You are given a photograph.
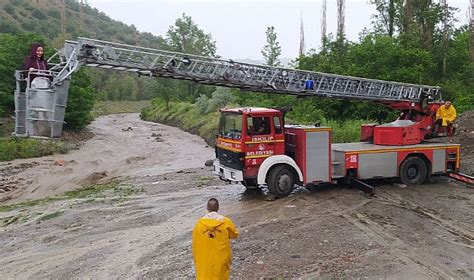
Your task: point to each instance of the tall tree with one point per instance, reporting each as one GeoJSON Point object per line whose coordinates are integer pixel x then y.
{"type": "Point", "coordinates": [302, 45]}
{"type": "Point", "coordinates": [341, 7]}
{"type": "Point", "coordinates": [272, 50]}
{"type": "Point", "coordinates": [385, 19]}
{"type": "Point", "coordinates": [185, 36]}
{"type": "Point", "coordinates": [471, 31]}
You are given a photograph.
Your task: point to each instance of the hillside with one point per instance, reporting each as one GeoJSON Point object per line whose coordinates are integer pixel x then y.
{"type": "Point", "coordinates": [43, 17]}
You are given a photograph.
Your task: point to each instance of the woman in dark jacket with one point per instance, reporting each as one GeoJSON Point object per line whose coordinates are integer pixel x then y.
{"type": "Point", "coordinates": [36, 58]}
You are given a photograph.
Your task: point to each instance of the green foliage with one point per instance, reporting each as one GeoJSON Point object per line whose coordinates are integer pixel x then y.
{"type": "Point", "coordinates": [305, 111]}
{"type": "Point", "coordinates": [9, 8]}
{"type": "Point", "coordinates": [272, 50]}
{"type": "Point", "coordinates": [80, 102]}
{"type": "Point", "coordinates": [38, 14]}
{"type": "Point", "coordinates": [44, 19]}
{"type": "Point", "coordinates": [347, 131]}
{"type": "Point", "coordinates": [13, 49]}
{"type": "Point", "coordinates": [102, 108]}
{"type": "Point", "coordinates": [185, 36]}
{"type": "Point", "coordinates": [221, 97]}
{"type": "Point", "coordinates": [184, 115]}
{"type": "Point", "coordinates": [13, 148]}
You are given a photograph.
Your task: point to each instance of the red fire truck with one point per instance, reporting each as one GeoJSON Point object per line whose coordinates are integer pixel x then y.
{"type": "Point", "coordinates": [282, 156]}
{"type": "Point", "coordinates": [254, 146]}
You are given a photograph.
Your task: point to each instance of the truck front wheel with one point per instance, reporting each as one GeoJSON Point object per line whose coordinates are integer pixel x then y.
{"type": "Point", "coordinates": [413, 171]}
{"type": "Point", "coordinates": [281, 181]}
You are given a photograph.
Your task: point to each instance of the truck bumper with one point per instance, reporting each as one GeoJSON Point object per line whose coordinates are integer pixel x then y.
{"type": "Point", "coordinates": [227, 173]}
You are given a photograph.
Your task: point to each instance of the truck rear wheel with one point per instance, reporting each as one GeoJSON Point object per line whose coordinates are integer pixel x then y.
{"type": "Point", "coordinates": [281, 181]}
{"type": "Point", "coordinates": [413, 171]}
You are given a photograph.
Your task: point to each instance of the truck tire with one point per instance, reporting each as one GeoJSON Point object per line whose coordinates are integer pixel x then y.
{"type": "Point", "coordinates": [413, 171]}
{"type": "Point", "coordinates": [281, 181]}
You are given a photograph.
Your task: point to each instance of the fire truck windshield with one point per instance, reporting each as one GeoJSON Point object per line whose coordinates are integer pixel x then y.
{"type": "Point", "coordinates": [230, 125]}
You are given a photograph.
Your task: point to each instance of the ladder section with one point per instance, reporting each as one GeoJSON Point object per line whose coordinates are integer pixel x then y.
{"type": "Point", "coordinates": [228, 73]}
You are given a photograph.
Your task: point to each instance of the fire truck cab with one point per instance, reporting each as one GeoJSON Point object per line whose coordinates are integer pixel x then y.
{"type": "Point", "coordinates": [254, 147]}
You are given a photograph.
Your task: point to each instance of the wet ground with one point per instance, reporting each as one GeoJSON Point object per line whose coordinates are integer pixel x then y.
{"type": "Point", "coordinates": [139, 224]}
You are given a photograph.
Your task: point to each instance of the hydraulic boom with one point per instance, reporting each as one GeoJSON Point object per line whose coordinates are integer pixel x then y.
{"type": "Point", "coordinates": [418, 102]}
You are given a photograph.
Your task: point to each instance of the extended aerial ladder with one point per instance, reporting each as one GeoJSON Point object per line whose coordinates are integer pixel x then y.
{"type": "Point", "coordinates": [37, 115]}
{"type": "Point", "coordinates": [40, 104]}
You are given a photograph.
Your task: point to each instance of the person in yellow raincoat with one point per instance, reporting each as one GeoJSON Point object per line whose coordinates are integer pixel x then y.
{"type": "Point", "coordinates": [211, 244]}
{"type": "Point", "coordinates": [445, 116]}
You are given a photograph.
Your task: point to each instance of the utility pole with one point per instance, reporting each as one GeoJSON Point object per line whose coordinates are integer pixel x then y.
{"type": "Point", "coordinates": [302, 45]}
{"type": "Point", "coordinates": [81, 17]}
{"type": "Point", "coordinates": [323, 21]}
{"type": "Point", "coordinates": [340, 18]}
{"type": "Point", "coordinates": [444, 5]}
{"type": "Point", "coordinates": [471, 31]}
{"type": "Point", "coordinates": [63, 21]}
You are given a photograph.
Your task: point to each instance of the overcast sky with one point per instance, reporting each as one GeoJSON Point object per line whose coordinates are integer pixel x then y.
{"type": "Point", "coordinates": [239, 26]}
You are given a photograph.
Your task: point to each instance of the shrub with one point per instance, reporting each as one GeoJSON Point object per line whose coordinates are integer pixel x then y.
{"type": "Point", "coordinates": [221, 97]}
{"type": "Point", "coordinates": [9, 9]}
{"type": "Point", "coordinates": [80, 102]}
{"type": "Point", "coordinates": [12, 148]}
{"type": "Point", "coordinates": [38, 14]}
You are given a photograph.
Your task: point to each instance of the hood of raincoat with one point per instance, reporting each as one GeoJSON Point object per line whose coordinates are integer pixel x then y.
{"type": "Point", "coordinates": [212, 220]}
{"type": "Point", "coordinates": [33, 49]}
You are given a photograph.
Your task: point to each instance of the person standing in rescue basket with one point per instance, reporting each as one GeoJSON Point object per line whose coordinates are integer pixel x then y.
{"type": "Point", "coordinates": [211, 244]}
{"type": "Point", "coordinates": [36, 58]}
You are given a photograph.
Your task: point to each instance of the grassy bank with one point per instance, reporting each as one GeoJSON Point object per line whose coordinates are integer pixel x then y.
{"type": "Point", "coordinates": [188, 117]}
{"type": "Point", "coordinates": [13, 148]}
{"type": "Point", "coordinates": [102, 108]}
{"type": "Point", "coordinates": [184, 115]}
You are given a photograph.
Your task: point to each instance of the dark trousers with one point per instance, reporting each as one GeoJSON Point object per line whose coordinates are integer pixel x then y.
{"type": "Point", "coordinates": [446, 129]}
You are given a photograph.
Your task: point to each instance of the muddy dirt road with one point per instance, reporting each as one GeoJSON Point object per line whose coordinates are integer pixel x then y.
{"type": "Point", "coordinates": [139, 224]}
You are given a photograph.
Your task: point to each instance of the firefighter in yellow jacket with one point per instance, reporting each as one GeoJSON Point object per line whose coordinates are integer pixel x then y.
{"type": "Point", "coordinates": [445, 116]}
{"type": "Point", "coordinates": [211, 244]}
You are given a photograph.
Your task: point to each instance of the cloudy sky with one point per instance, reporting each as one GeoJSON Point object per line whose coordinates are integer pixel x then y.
{"type": "Point", "coordinates": [239, 26]}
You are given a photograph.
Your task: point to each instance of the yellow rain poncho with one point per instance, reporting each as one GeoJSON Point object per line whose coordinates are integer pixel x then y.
{"type": "Point", "coordinates": [448, 114]}
{"type": "Point", "coordinates": [211, 246]}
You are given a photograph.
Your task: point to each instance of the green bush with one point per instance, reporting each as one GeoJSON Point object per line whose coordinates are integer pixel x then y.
{"type": "Point", "coordinates": [80, 102]}
{"type": "Point", "coordinates": [38, 14]}
{"type": "Point", "coordinates": [9, 8]}
{"type": "Point", "coordinates": [54, 14]}
{"type": "Point", "coordinates": [8, 27]}
{"type": "Point", "coordinates": [347, 131]}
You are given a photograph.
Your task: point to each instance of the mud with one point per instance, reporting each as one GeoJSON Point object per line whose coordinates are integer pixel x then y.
{"type": "Point", "coordinates": [141, 227]}
{"type": "Point", "coordinates": [123, 146]}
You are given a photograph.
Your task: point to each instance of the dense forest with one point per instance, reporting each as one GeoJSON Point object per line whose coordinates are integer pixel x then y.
{"type": "Point", "coordinates": [409, 41]}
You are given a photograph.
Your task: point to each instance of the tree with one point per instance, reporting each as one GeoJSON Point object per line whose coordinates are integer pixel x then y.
{"type": "Point", "coordinates": [272, 50]}
{"type": "Point", "coordinates": [81, 100]}
{"type": "Point", "coordinates": [168, 89]}
{"type": "Point", "coordinates": [13, 50]}
{"type": "Point", "coordinates": [386, 17]}
{"type": "Point", "coordinates": [186, 37]}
